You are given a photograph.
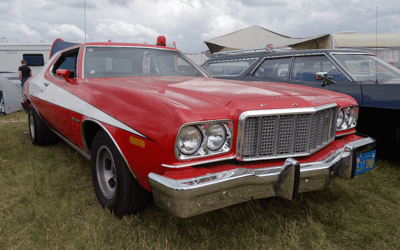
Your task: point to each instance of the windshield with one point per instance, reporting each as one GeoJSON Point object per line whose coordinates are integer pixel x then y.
{"type": "Point", "coordinates": [368, 67]}
{"type": "Point", "coordinates": [101, 62]}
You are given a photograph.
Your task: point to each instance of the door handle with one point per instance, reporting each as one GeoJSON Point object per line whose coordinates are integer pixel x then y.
{"type": "Point", "coordinates": [46, 84]}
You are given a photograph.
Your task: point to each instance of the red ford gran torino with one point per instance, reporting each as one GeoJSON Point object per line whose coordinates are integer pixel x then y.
{"type": "Point", "coordinates": [154, 123]}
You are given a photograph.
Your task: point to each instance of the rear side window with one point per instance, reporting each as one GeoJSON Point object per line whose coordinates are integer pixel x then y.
{"type": "Point", "coordinates": [33, 59]}
{"type": "Point", "coordinates": [229, 68]}
{"type": "Point", "coordinates": [274, 70]}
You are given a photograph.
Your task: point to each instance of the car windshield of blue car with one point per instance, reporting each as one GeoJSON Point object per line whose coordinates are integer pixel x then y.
{"type": "Point", "coordinates": [104, 62]}
{"type": "Point", "coordinates": [368, 68]}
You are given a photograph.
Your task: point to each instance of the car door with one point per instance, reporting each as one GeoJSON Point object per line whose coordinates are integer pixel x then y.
{"type": "Point", "coordinates": [304, 69]}
{"type": "Point", "coordinates": [381, 95]}
{"type": "Point", "coordinates": [59, 92]}
{"type": "Point", "coordinates": [271, 70]}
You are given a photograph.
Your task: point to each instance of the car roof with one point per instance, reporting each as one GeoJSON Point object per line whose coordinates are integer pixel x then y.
{"type": "Point", "coordinates": [258, 54]}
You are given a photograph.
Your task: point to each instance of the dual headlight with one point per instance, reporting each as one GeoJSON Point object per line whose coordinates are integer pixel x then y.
{"type": "Point", "coordinates": [202, 139]}
{"type": "Point", "coordinates": [347, 118]}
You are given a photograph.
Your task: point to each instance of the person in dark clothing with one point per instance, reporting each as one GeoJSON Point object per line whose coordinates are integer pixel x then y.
{"type": "Point", "coordinates": [24, 73]}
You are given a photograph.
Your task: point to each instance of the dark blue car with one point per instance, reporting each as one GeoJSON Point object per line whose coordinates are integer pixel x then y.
{"type": "Point", "coordinates": [373, 83]}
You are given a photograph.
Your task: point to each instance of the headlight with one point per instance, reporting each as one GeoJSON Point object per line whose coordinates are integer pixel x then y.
{"type": "Point", "coordinates": [347, 118]}
{"type": "Point", "coordinates": [216, 136]}
{"type": "Point", "coordinates": [202, 139]}
{"type": "Point", "coordinates": [340, 119]}
{"type": "Point", "coordinates": [189, 140]}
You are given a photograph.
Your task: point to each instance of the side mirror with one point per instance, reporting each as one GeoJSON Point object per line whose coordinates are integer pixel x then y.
{"type": "Point", "coordinates": [321, 75]}
{"type": "Point", "coordinates": [63, 73]}
{"type": "Point", "coordinates": [324, 76]}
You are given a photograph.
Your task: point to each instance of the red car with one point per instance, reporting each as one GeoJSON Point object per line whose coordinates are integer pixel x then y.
{"type": "Point", "coordinates": [154, 123]}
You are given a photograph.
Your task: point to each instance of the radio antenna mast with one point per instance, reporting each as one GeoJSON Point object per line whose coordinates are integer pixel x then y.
{"type": "Point", "coordinates": [84, 17]}
{"type": "Point", "coordinates": [376, 47]}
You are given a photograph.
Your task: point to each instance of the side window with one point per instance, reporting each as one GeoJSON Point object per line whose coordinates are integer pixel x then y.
{"type": "Point", "coordinates": [33, 59]}
{"type": "Point", "coordinates": [68, 60]}
{"type": "Point", "coordinates": [274, 70]}
{"type": "Point", "coordinates": [305, 68]}
{"type": "Point", "coordinates": [228, 68]}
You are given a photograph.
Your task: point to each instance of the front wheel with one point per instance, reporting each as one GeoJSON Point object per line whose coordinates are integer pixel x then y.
{"type": "Point", "coordinates": [115, 186]}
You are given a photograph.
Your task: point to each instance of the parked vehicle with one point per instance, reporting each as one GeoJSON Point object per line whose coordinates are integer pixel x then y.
{"type": "Point", "coordinates": [373, 83]}
{"type": "Point", "coordinates": [35, 54]}
{"type": "Point", "coordinates": [150, 126]}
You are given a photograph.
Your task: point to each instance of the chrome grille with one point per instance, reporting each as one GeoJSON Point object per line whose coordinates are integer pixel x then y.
{"type": "Point", "coordinates": [288, 134]}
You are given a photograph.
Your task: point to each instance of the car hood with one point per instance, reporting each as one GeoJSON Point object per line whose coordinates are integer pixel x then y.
{"type": "Point", "coordinates": [205, 93]}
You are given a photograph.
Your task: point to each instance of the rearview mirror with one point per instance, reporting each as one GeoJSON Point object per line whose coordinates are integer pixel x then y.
{"type": "Point", "coordinates": [63, 73]}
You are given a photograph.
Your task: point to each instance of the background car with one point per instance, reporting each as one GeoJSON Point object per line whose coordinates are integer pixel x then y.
{"type": "Point", "coordinates": [373, 83]}
{"type": "Point", "coordinates": [153, 123]}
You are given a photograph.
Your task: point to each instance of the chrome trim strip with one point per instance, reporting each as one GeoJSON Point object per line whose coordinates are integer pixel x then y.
{"type": "Point", "coordinates": [109, 134]}
{"type": "Point", "coordinates": [345, 133]}
{"type": "Point", "coordinates": [198, 163]}
{"type": "Point", "coordinates": [71, 144]}
{"type": "Point", "coordinates": [83, 61]}
{"type": "Point", "coordinates": [291, 111]}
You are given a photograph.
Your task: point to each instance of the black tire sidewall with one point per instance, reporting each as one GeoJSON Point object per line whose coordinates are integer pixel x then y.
{"type": "Point", "coordinates": [32, 112]}
{"type": "Point", "coordinates": [113, 204]}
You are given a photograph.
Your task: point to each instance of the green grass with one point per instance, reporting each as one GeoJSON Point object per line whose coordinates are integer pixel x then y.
{"type": "Point", "coordinates": [47, 201]}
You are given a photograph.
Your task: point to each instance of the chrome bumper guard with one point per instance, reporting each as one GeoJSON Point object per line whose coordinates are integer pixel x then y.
{"type": "Point", "coordinates": [193, 196]}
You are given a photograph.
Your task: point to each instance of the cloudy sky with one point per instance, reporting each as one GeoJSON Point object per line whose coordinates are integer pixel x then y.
{"type": "Point", "coordinates": [188, 22]}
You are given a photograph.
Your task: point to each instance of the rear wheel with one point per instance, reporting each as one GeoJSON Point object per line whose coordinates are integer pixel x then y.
{"type": "Point", "coordinates": [39, 132]}
{"type": "Point", "coordinates": [115, 186]}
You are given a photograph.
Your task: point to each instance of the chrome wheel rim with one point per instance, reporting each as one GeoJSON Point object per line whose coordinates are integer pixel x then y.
{"type": "Point", "coordinates": [106, 174]}
{"type": "Point", "coordinates": [31, 125]}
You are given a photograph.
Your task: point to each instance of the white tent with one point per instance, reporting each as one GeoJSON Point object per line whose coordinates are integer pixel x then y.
{"type": "Point", "coordinates": [255, 37]}
{"type": "Point", "coordinates": [10, 96]}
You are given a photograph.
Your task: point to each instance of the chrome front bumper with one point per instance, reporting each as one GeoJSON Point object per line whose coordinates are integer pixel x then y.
{"type": "Point", "coordinates": [198, 195]}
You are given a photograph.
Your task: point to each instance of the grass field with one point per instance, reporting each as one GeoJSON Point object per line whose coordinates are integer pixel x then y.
{"type": "Point", "coordinates": [47, 201]}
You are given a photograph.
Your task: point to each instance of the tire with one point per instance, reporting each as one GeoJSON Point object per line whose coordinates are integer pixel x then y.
{"type": "Point", "coordinates": [115, 186]}
{"type": "Point", "coordinates": [39, 132]}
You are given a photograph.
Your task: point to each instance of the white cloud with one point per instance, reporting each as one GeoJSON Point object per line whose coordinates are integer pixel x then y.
{"type": "Point", "coordinates": [188, 22]}
{"type": "Point", "coordinates": [67, 32]}
{"type": "Point", "coordinates": [125, 31]}
{"type": "Point", "coordinates": [222, 26]}
{"type": "Point", "coordinates": [22, 33]}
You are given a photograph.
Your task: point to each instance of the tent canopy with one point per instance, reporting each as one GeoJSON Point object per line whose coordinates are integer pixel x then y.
{"type": "Point", "coordinates": [256, 37]}
{"type": "Point", "coordinates": [10, 96]}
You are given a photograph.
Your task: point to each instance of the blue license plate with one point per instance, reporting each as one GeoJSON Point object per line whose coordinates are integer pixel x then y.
{"type": "Point", "coordinates": [365, 162]}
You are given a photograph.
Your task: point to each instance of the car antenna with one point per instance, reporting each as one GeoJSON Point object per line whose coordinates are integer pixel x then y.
{"type": "Point", "coordinates": [376, 47]}
{"type": "Point", "coordinates": [84, 17]}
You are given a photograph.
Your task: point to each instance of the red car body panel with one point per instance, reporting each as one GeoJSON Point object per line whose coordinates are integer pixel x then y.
{"type": "Point", "coordinates": [155, 108]}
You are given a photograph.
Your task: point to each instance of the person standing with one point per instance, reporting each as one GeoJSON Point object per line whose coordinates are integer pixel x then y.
{"type": "Point", "coordinates": [24, 73]}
